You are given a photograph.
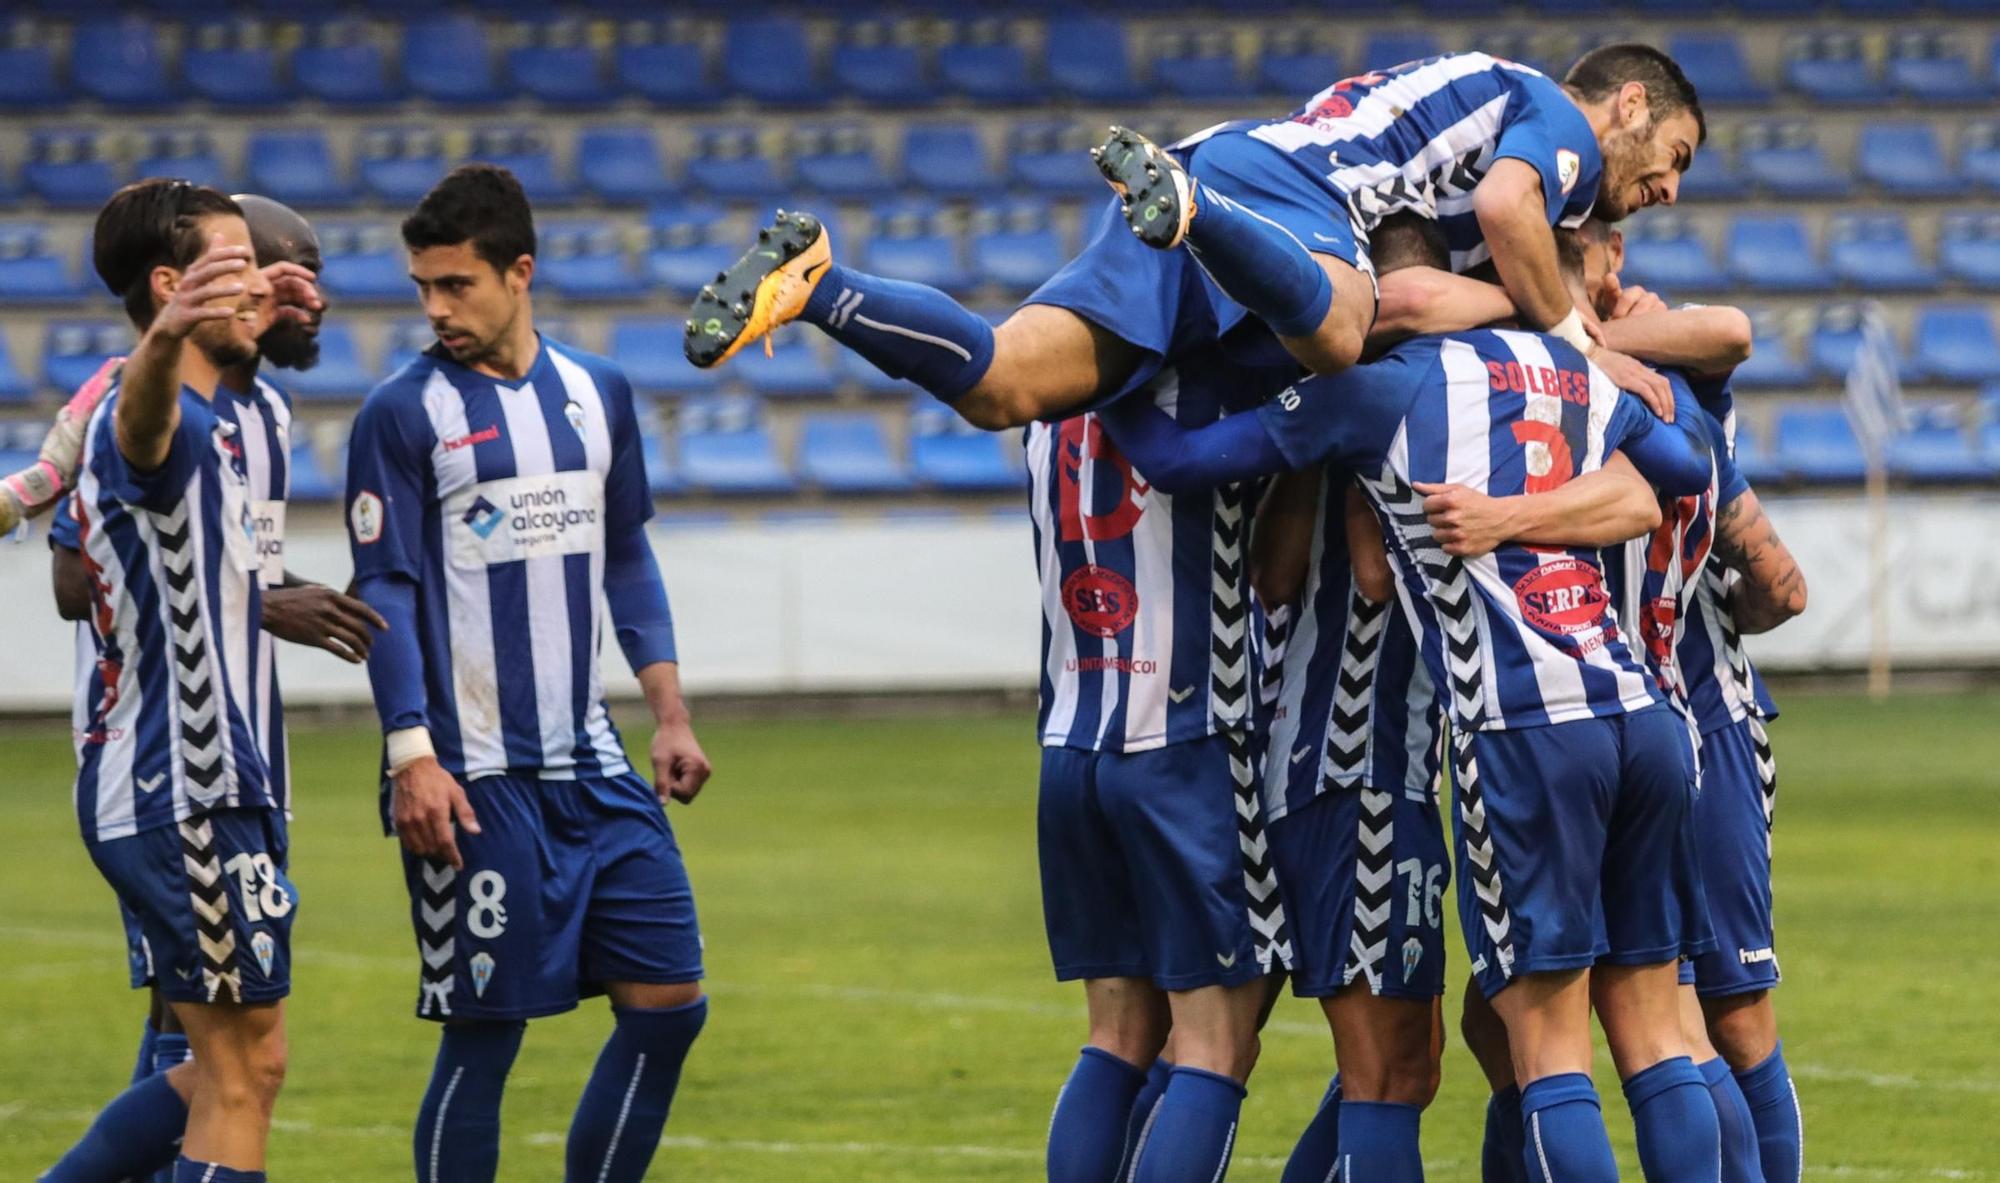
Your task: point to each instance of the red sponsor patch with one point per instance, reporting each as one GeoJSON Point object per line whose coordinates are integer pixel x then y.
{"type": "Point", "coordinates": [1565, 596]}
{"type": "Point", "coordinates": [1100, 601]}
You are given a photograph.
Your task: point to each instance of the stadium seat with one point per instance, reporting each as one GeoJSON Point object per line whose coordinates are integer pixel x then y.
{"type": "Point", "coordinates": [1714, 176]}
{"type": "Point", "coordinates": [28, 77]}
{"type": "Point", "coordinates": [661, 479]}
{"type": "Point", "coordinates": [858, 373]}
{"type": "Point", "coordinates": [848, 452]}
{"type": "Point", "coordinates": [1053, 157]}
{"type": "Point", "coordinates": [666, 64]}
{"type": "Point", "coordinates": [795, 368]}
{"type": "Point", "coordinates": [341, 64]}
{"type": "Point", "coordinates": [1385, 49]}
{"type": "Point", "coordinates": [621, 165]}
{"type": "Point", "coordinates": [770, 60]}
{"type": "Point", "coordinates": [1753, 460]}
{"type": "Point", "coordinates": [234, 64]}
{"type": "Point", "coordinates": [1714, 62]}
{"type": "Point", "coordinates": [1979, 156]}
{"type": "Point", "coordinates": [399, 165]}
{"type": "Point", "coordinates": [1905, 160]}
{"type": "Point", "coordinates": [1969, 248]}
{"type": "Point", "coordinates": [1935, 69]}
{"type": "Point", "coordinates": [1773, 362]}
{"type": "Point", "coordinates": [365, 263]}
{"type": "Point", "coordinates": [1955, 343]}
{"type": "Point", "coordinates": [951, 455]}
{"type": "Point", "coordinates": [30, 272]}
{"type": "Point", "coordinates": [1090, 58]}
{"type": "Point", "coordinates": [1786, 160]}
{"type": "Point", "coordinates": [648, 349]}
{"type": "Point", "coordinates": [913, 240]}
{"type": "Point", "coordinates": [1015, 244]}
{"type": "Point", "coordinates": [687, 247]}
{"type": "Point", "coordinates": [182, 152]}
{"type": "Point", "coordinates": [728, 163]}
{"type": "Point", "coordinates": [119, 62]}
{"type": "Point", "coordinates": [1831, 68]}
{"type": "Point", "coordinates": [1295, 62]}
{"type": "Point", "coordinates": [1665, 251]}
{"type": "Point", "coordinates": [839, 161]}
{"type": "Point", "coordinates": [1816, 443]}
{"type": "Point", "coordinates": [1936, 449]}
{"type": "Point", "coordinates": [14, 385]}
{"type": "Point", "coordinates": [527, 153]}
{"type": "Point", "coordinates": [1199, 65]}
{"type": "Point", "coordinates": [407, 339]}
{"type": "Point", "coordinates": [984, 63]}
{"type": "Point", "coordinates": [882, 62]}
{"type": "Point", "coordinates": [586, 261]}
{"type": "Point", "coordinates": [339, 375]}
{"type": "Point", "coordinates": [1835, 338]}
{"type": "Point", "coordinates": [948, 160]}
{"type": "Point", "coordinates": [726, 448]}
{"type": "Point", "coordinates": [558, 65]}
{"type": "Point", "coordinates": [1873, 252]}
{"type": "Point", "coordinates": [310, 480]}
{"type": "Point", "coordinates": [68, 168]}
{"type": "Point", "coordinates": [73, 349]}
{"type": "Point", "coordinates": [1772, 252]}
{"type": "Point", "coordinates": [295, 167]}
{"type": "Point", "coordinates": [448, 59]}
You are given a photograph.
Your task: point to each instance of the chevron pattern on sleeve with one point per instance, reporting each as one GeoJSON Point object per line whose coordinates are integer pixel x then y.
{"type": "Point", "coordinates": [1449, 591]}
{"type": "Point", "coordinates": [1350, 726]}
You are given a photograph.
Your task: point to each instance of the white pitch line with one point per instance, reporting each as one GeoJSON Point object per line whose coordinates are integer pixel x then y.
{"type": "Point", "coordinates": [1895, 1080]}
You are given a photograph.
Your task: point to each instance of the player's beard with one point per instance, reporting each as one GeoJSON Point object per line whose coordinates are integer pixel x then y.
{"type": "Point", "coordinates": [218, 342]}
{"type": "Point", "coordinates": [289, 345]}
{"type": "Point", "coordinates": [1625, 159]}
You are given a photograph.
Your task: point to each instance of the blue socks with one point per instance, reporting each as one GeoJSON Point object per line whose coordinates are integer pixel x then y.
{"type": "Point", "coordinates": [624, 1107]}
{"type": "Point", "coordinates": [1194, 1129]}
{"type": "Point", "coordinates": [1563, 1132]}
{"type": "Point", "coordinates": [1259, 265]}
{"type": "Point", "coordinates": [1500, 1157]}
{"type": "Point", "coordinates": [1774, 1107]}
{"type": "Point", "coordinates": [1088, 1131]}
{"type": "Point", "coordinates": [1312, 1159]}
{"type": "Point", "coordinates": [1674, 1120]}
{"type": "Point", "coordinates": [906, 330]}
{"type": "Point", "coordinates": [1732, 1114]}
{"type": "Point", "coordinates": [458, 1127]}
{"type": "Point", "coordinates": [144, 1067]}
{"type": "Point", "coordinates": [1378, 1142]}
{"type": "Point", "coordinates": [1141, 1117]}
{"type": "Point", "coordinates": [138, 1133]}
{"type": "Point", "coordinates": [189, 1171]}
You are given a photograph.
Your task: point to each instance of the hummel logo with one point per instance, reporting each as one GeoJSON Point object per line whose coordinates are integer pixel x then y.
{"type": "Point", "coordinates": [1225, 962]}
{"type": "Point", "coordinates": [1180, 695]}
{"type": "Point", "coordinates": [1299, 754]}
{"type": "Point", "coordinates": [148, 784]}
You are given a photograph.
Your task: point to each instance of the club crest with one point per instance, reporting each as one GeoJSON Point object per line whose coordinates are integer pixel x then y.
{"type": "Point", "coordinates": [266, 950]}
{"type": "Point", "coordinates": [482, 972]}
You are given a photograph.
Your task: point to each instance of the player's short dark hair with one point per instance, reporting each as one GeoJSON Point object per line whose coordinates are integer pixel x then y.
{"type": "Point", "coordinates": [151, 223]}
{"type": "Point", "coordinates": [1407, 240]}
{"type": "Point", "coordinates": [480, 203]}
{"type": "Point", "coordinates": [1599, 73]}
{"type": "Point", "coordinates": [1569, 253]}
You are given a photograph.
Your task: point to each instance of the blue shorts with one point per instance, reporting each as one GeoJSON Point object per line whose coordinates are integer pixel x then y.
{"type": "Point", "coordinates": [209, 904]}
{"type": "Point", "coordinates": [139, 950]}
{"type": "Point", "coordinates": [568, 885]}
{"type": "Point", "coordinates": [1143, 866]}
{"type": "Point", "coordinates": [1364, 874]}
{"type": "Point", "coordinates": [1576, 844]}
{"type": "Point", "coordinates": [1731, 824]}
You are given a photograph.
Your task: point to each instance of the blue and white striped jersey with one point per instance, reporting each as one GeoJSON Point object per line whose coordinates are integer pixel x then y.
{"type": "Point", "coordinates": [166, 712]}
{"type": "Point", "coordinates": [1354, 705]}
{"type": "Point", "coordinates": [1421, 135]}
{"type": "Point", "coordinates": [496, 499]}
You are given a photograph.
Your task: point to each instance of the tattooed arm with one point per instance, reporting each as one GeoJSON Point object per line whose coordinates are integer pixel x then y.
{"type": "Point", "coordinates": [1773, 589]}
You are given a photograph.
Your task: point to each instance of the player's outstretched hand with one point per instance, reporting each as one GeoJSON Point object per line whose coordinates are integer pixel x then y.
{"type": "Point", "coordinates": [425, 803]}
{"type": "Point", "coordinates": [680, 767]}
{"type": "Point", "coordinates": [205, 289]}
{"type": "Point", "coordinates": [295, 293]}
{"type": "Point", "coordinates": [1466, 522]}
{"type": "Point", "coordinates": [322, 618]}
{"type": "Point", "coordinates": [1630, 301]}
{"type": "Point", "coordinates": [1636, 376]}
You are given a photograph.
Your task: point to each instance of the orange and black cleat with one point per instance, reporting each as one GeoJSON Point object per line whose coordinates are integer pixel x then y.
{"type": "Point", "coordinates": [1158, 193]}
{"type": "Point", "coordinates": [765, 288]}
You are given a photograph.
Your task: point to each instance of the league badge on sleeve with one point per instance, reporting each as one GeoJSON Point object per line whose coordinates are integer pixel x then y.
{"type": "Point", "coordinates": [364, 517]}
{"type": "Point", "coordinates": [1568, 165]}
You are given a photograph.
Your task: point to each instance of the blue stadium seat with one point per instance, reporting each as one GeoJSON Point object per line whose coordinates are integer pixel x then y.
{"type": "Point", "coordinates": [948, 160]}
{"type": "Point", "coordinates": [951, 455]}
{"type": "Point", "coordinates": [28, 76]}
{"type": "Point", "coordinates": [1665, 251]}
{"type": "Point", "coordinates": [687, 248]}
{"type": "Point", "coordinates": [770, 59]}
{"type": "Point", "coordinates": [1979, 157]}
{"type": "Point", "coordinates": [1955, 343]}
{"type": "Point", "coordinates": [339, 376]}
{"type": "Point", "coordinates": [882, 62]}
{"type": "Point", "coordinates": [661, 478]}
{"type": "Point", "coordinates": [1874, 252]}
{"type": "Point", "coordinates": [1015, 244]}
{"type": "Point", "coordinates": [1295, 62]}
{"type": "Point", "coordinates": [839, 161]}
{"type": "Point", "coordinates": [407, 339]}
{"type": "Point", "coordinates": [399, 165]}
{"type": "Point", "coordinates": [68, 168]}
{"type": "Point", "coordinates": [14, 385]}
{"type": "Point", "coordinates": [648, 349]}
{"type": "Point", "coordinates": [1714, 62]}
{"type": "Point", "coordinates": [729, 164]}
{"type": "Point", "coordinates": [1816, 443]}
{"type": "Point", "coordinates": [1936, 449]}
{"type": "Point", "coordinates": [1835, 338]}
{"type": "Point", "coordinates": [984, 63]}
{"type": "Point", "coordinates": [1714, 176]}
{"type": "Point", "coordinates": [119, 61]}
{"type": "Point", "coordinates": [1090, 58]}
{"type": "Point", "coordinates": [1753, 459]}
{"type": "Point", "coordinates": [73, 349]}
{"type": "Point", "coordinates": [311, 482]}
{"type": "Point", "coordinates": [848, 452]}
{"type": "Point", "coordinates": [527, 153]}
{"type": "Point", "coordinates": [586, 261]}
{"type": "Point", "coordinates": [665, 64]}
{"type": "Point", "coordinates": [914, 240]}
{"type": "Point", "coordinates": [1527, 46]}
{"type": "Point", "coordinates": [1969, 248]}
{"type": "Point", "coordinates": [1053, 157]}
{"type": "Point", "coordinates": [448, 59]}
{"type": "Point", "coordinates": [619, 165]}
{"type": "Point", "coordinates": [184, 152]}
{"type": "Point", "coordinates": [726, 448]}
{"type": "Point", "coordinates": [857, 373]}
{"type": "Point", "coordinates": [1936, 69]}
{"type": "Point", "coordinates": [1831, 68]}
{"type": "Point", "coordinates": [31, 273]}
{"type": "Point", "coordinates": [1200, 65]}
{"type": "Point", "coordinates": [234, 64]}
{"type": "Point", "coordinates": [365, 263]}
{"type": "Point", "coordinates": [1392, 48]}
{"type": "Point", "coordinates": [341, 64]}
{"type": "Point", "coordinates": [1786, 160]}
{"type": "Point", "coordinates": [1773, 362]}
{"type": "Point", "coordinates": [795, 368]}
{"type": "Point", "coordinates": [1772, 252]}
{"type": "Point", "coordinates": [559, 66]}
{"type": "Point", "coordinates": [295, 167]}
{"type": "Point", "coordinates": [1905, 160]}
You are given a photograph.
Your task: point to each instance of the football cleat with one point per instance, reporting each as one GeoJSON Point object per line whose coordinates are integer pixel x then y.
{"type": "Point", "coordinates": [1158, 193]}
{"type": "Point", "coordinates": [765, 288]}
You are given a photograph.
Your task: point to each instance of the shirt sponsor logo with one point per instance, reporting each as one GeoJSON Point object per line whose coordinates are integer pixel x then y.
{"type": "Point", "coordinates": [267, 519]}
{"type": "Point", "coordinates": [1116, 665]}
{"type": "Point", "coordinates": [364, 517]}
{"type": "Point", "coordinates": [478, 437]}
{"type": "Point", "coordinates": [1568, 165]}
{"type": "Point", "coordinates": [505, 521]}
{"type": "Point", "coordinates": [1100, 601]}
{"type": "Point", "coordinates": [483, 517]}
{"type": "Point", "coordinates": [1563, 596]}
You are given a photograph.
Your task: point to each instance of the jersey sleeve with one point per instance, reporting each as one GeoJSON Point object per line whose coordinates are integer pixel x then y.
{"type": "Point", "coordinates": [628, 499]}
{"type": "Point", "coordinates": [1729, 481]}
{"type": "Point", "coordinates": [1543, 128]}
{"type": "Point", "coordinates": [162, 488]}
{"type": "Point", "coordinates": [388, 461]}
{"type": "Point", "coordinates": [1672, 457]}
{"type": "Point", "coordinates": [63, 530]}
{"type": "Point", "coordinates": [1345, 418]}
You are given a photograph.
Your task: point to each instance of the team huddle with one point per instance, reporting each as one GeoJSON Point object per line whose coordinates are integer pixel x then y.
{"type": "Point", "coordinates": [1358, 483]}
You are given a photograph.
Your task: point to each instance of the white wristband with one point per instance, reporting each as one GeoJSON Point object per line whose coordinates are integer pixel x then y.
{"type": "Point", "coordinates": [1570, 328]}
{"type": "Point", "coordinates": [408, 746]}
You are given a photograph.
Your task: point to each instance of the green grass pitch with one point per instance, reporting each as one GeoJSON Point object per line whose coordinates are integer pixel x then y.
{"type": "Point", "coordinates": [882, 1005]}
